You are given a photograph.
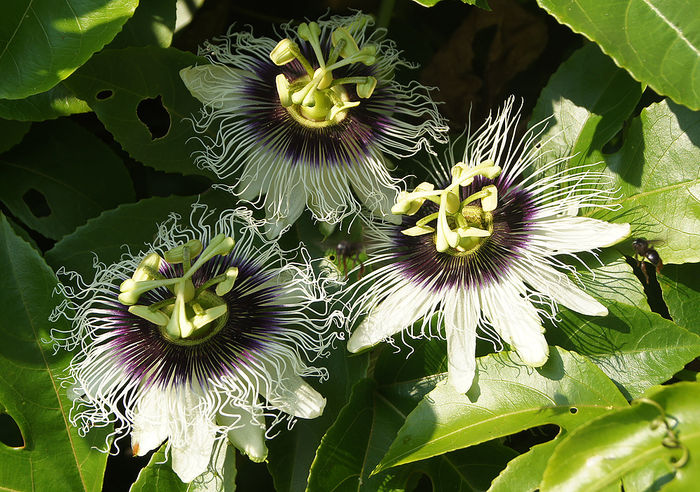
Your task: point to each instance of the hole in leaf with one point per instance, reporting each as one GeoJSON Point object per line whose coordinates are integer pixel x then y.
{"type": "Point", "coordinates": [10, 435]}
{"type": "Point", "coordinates": [573, 410]}
{"type": "Point", "coordinates": [614, 144]}
{"type": "Point", "coordinates": [153, 114]}
{"type": "Point", "coordinates": [102, 95]}
{"type": "Point", "coordinates": [37, 203]}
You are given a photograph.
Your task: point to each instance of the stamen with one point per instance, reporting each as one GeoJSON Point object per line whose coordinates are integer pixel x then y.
{"type": "Point", "coordinates": [174, 315]}
{"type": "Point", "coordinates": [317, 97]}
{"type": "Point", "coordinates": [460, 225]}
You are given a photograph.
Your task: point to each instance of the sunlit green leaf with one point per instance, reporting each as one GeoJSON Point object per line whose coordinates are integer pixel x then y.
{"type": "Point", "coordinates": [658, 42]}
{"type": "Point", "coordinates": [646, 435]}
{"type": "Point", "coordinates": [680, 285]}
{"type": "Point", "coordinates": [525, 472]}
{"type": "Point", "coordinates": [657, 175]}
{"type": "Point", "coordinates": [43, 41]}
{"type": "Point", "coordinates": [12, 133]}
{"type": "Point", "coordinates": [57, 101]}
{"type": "Point", "coordinates": [152, 24]}
{"type": "Point", "coordinates": [54, 456]}
{"type": "Point", "coordinates": [587, 101]}
{"type": "Point", "coordinates": [139, 97]}
{"type": "Point", "coordinates": [507, 397]}
{"type": "Point", "coordinates": [61, 175]}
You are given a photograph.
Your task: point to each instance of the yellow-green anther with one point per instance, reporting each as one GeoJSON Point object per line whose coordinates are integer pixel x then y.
{"type": "Point", "coordinates": [208, 316]}
{"type": "Point", "coordinates": [451, 202]}
{"type": "Point", "coordinates": [301, 95]}
{"type": "Point", "coordinates": [155, 317]}
{"type": "Point", "coordinates": [349, 46]}
{"type": "Point", "coordinates": [418, 230]}
{"type": "Point", "coordinates": [132, 289]}
{"type": "Point", "coordinates": [185, 251]}
{"type": "Point", "coordinates": [285, 51]}
{"type": "Point", "coordinates": [225, 286]}
{"type": "Point", "coordinates": [490, 201]}
{"type": "Point", "coordinates": [365, 89]}
{"type": "Point", "coordinates": [427, 219]}
{"type": "Point", "coordinates": [149, 268]}
{"type": "Point", "coordinates": [283, 90]}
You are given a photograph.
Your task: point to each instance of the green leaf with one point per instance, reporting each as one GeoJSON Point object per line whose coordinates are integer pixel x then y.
{"type": "Point", "coordinates": [153, 24]}
{"type": "Point", "coordinates": [525, 472]}
{"type": "Point", "coordinates": [43, 41]}
{"type": "Point", "coordinates": [12, 133]}
{"type": "Point", "coordinates": [507, 397]}
{"type": "Point", "coordinates": [632, 439]}
{"type": "Point", "coordinates": [588, 99]}
{"type": "Point", "coordinates": [633, 346]}
{"type": "Point", "coordinates": [158, 475]}
{"type": "Point", "coordinates": [483, 4]}
{"type": "Point", "coordinates": [54, 456]}
{"type": "Point", "coordinates": [130, 89]}
{"type": "Point", "coordinates": [61, 175]}
{"type": "Point", "coordinates": [658, 43]}
{"type": "Point", "coordinates": [57, 101]}
{"type": "Point", "coordinates": [657, 174]}
{"type": "Point", "coordinates": [680, 285]}
{"type": "Point", "coordinates": [130, 225]}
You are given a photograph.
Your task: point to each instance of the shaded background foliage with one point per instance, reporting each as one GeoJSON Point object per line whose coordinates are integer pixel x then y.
{"type": "Point", "coordinates": [95, 148]}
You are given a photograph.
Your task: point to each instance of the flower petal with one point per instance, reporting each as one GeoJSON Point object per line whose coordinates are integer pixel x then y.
{"type": "Point", "coordinates": [283, 210]}
{"type": "Point", "coordinates": [461, 317]}
{"type": "Point", "coordinates": [377, 194]}
{"type": "Point", "coordinates": [516, 321]}
{"type": "Point", "coordinates": [572, 234]}
{"type": "Point", "coordinates": [151, 421]}
{"type": "Point", "coordinates": [211, 84]}
{"type": "Point", "coordinates": [248, 432]}
{"type": "Point", "coordinates": [191, 456]}
{"type": "Point", "coordinates": [559, 287]}
{"type": "Point", "coordinates": [398, 311]}
{"type": "Point", "coordinates": [291, 394]}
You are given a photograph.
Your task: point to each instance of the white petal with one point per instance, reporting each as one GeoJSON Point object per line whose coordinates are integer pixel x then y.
{"type": "Point", "coordinates": [516, 321]}
{"type": "Point", "coordinates": [461, 317]}
{"type": "Point", "coordinates": [151, 421]}
{"type": "Point", "coordinates": [376, 197]}
{"type": "Point", "coordinates": [291, 394]}
{"type": "Point", "coordinates": [559, 287]}
{"type": "Point", "coordinates": [248, 434]}
{"type": "Point", "coordinates": [571, 234]}
{"type": "Point", "coordinates": [283, 209]}
{"type": "Point", "coordinates": [222, 476]}
{"type": "Point", "coordinates": [398, 311]}
{"type": "Point", "coordinates": [211, 84]}
{"type": "Point", "coordinates": [192, 455]}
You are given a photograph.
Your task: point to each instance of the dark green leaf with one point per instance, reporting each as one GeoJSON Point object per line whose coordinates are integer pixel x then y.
{"type": "Point", "coordinates": [680, 285]}
{"type": "Point", "coordinates": [588, 99]}
{"type": "Point", "coordinates": [139, 97]}
{"type": "Point", "coordinates": [43, 41]}
{"type": "Point", "coordinates": [158, 475]}
{"type": "Point", "coordinates": [507, 397]}
{"type": "Point", "coordinates": [153, 24]}
{"type": "Point", "coordinates": [54, 456]}
{"type": "Point", "coordinates": [61, 175]}
{"type": "Point", "coordinates": [58, 101]}
{"type": "Point", "coordinates": [659, 43]}
{"type": "Point", "coordinates": [657, 174]}
{"type": "Point", "coordinates": [12, 133]}
{"type": "Point", "coordinates": [645, 436]}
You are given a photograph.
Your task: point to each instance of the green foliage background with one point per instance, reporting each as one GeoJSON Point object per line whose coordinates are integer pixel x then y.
{"type": "Point", "coordinates": [95, 149]}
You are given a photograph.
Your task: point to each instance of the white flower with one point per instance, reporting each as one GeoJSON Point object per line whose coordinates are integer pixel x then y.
{"type": "Point", "coordinates": [307, 121]}
{"type": "Point", "coordinates": [196, 340]}
{"type": "Point", "coordinates": [479, 251]}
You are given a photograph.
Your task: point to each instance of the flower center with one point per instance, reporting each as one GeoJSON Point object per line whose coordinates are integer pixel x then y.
{"type": "Point", "coordinates": [192, 315]}
{"type": "Point", "coordinates": [461, 226]}
{"type": "Point", "coordinates": [317, 99]}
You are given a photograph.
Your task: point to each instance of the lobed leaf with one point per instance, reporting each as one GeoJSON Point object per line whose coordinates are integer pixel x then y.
{"type": "Point", "coordinates": [43, 41]}
{"type": "Point", "coordinates": [657, 42]}
{"type": "Point", "coordinates": [54, 456]}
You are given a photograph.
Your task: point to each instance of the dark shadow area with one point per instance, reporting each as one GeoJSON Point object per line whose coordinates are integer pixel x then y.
{"type": "Point", "coordinates": [153, 114]}
{"type": "Point", "coordinates": [10, 435]}
{"type": "Point", "coordinates": [36, 202]}
{"type": "Point", "coordinates": [102, 95]}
